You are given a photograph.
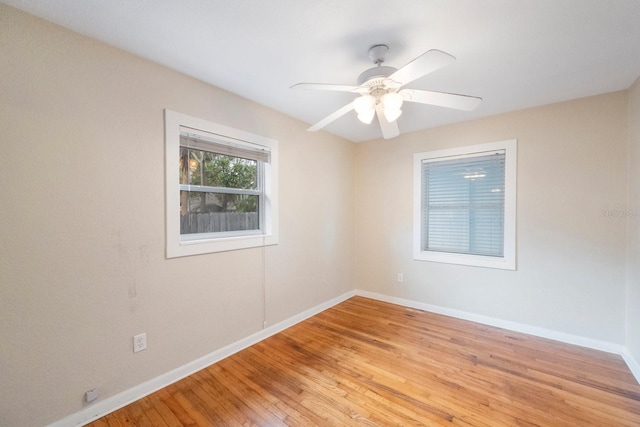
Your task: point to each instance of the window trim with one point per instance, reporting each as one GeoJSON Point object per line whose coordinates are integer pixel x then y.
{"type": "Point", "coordinates": [508, 260]}
{"type": "Point", "coordinates": [176, 246]}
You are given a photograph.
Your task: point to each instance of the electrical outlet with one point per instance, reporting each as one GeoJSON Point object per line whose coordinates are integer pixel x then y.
{"type": "Point", "coordinates": [91, 395]}
{"type": "Point", "coordinates": [139, 342]}
{"type": "Point", "coordinates": [400, 277]}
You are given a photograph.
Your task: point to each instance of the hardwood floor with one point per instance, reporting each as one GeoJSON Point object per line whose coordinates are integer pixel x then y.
{"type": "Point", "coordinates": [365, 362]}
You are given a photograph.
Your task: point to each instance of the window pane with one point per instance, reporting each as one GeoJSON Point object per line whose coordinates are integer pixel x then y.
{"type": "Point", "coordinates": [202, 212]}
{"type": "Point", "coordinates": [231, 172]}
{"type": "Point", "coordinates": [463, 205]}
{"type": "Point", "coordinates": [198, 167]}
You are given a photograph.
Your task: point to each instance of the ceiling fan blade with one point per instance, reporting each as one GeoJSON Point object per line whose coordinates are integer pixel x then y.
{"type": "Point", "coordinates": [424, 64]}
{"type": "Point", "coordinates": [389, 129]}
{"type": "Point", "coordinates": [331, 117]}
{"type": "Point", "coordinates": [322, 86]}
{"type": "Point", "coordinates": [441, 99]}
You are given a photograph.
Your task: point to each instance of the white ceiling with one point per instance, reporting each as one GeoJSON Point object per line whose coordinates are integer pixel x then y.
{"type": "Point", "coordinates": [513, 54]}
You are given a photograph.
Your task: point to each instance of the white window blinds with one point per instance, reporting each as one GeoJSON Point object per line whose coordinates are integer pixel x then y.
{"type": "Point", "coordinates": [463, 204]}
{"type": "Point", "coordinates": [225, 146]}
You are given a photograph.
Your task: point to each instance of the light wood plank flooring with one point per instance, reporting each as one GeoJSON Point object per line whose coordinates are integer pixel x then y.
{"type": "Point", "coordinates": [365, 362]}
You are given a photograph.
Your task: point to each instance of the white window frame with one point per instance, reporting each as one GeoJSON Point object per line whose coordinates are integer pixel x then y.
{"type": "Point", "coordinates": [508, 260]}
{"type": "Point", "coordinates": [178, 245]}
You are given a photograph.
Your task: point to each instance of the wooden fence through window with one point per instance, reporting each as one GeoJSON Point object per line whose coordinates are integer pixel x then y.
{"type": "Point", "coordinates": [218, 221]}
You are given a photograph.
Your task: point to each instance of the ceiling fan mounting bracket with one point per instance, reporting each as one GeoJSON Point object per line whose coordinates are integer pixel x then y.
{"type": "Point", "coordinates": [377, 52]}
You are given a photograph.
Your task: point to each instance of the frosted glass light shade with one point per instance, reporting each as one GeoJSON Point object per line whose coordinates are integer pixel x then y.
{"type": "Point", "coordinates": [392, 115]}
{"type": "Point", "coordinates": [364, 104]}
{"type": "Point", "coordinates": [392, 102]}
{"type": "Point", "coordinates": [367, 116]}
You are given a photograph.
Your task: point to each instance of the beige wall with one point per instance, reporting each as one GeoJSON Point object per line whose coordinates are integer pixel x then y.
{"type": "Point", "coordinates": [571, 258]}
{"type": "Point", "coordinates": [633, 222]}
{"type": "Point", "coordinates": [82, 264]}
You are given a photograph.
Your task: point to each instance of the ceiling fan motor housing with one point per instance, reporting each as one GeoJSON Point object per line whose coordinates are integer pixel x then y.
{"type": "Point", "coordinates": [375, 76]}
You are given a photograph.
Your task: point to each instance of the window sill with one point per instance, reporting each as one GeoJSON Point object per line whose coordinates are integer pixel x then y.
{"type": "Point", "coordinates": [503, 263]}
{"type": "Point", "coordinates": [223, 244]}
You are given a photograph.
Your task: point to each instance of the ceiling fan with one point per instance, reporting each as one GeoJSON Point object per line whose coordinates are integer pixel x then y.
{"type": "Point", "coordinates": [381, 92]}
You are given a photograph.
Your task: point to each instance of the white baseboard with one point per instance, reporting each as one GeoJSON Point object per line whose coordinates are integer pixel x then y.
{"type": "Point", "coordinates": [609, 347]}
{"type": "Point", "coordinates": [505, 324]}
{"type": "Point", "coordinates": [632, 363]}
{"type": "Point", "coordinates": [113, 403]}
{"type": "Point", "coordinates": [110, 404]}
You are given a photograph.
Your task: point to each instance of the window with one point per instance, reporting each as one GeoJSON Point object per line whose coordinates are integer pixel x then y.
{"type": "Point", "coordinates": [221, 187]}
{"type": "Point", "coordinates": [465, 205]}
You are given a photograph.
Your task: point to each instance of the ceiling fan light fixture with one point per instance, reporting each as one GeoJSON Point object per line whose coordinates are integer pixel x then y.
{"type": "Point", "coordinates": [392, 102]}
{"type": "Point", "coordinates": [367, 116]}
{"type": "Point", "coordinates": [365, 106]}
{"type": "Point", "coordinates": [392, 115]}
